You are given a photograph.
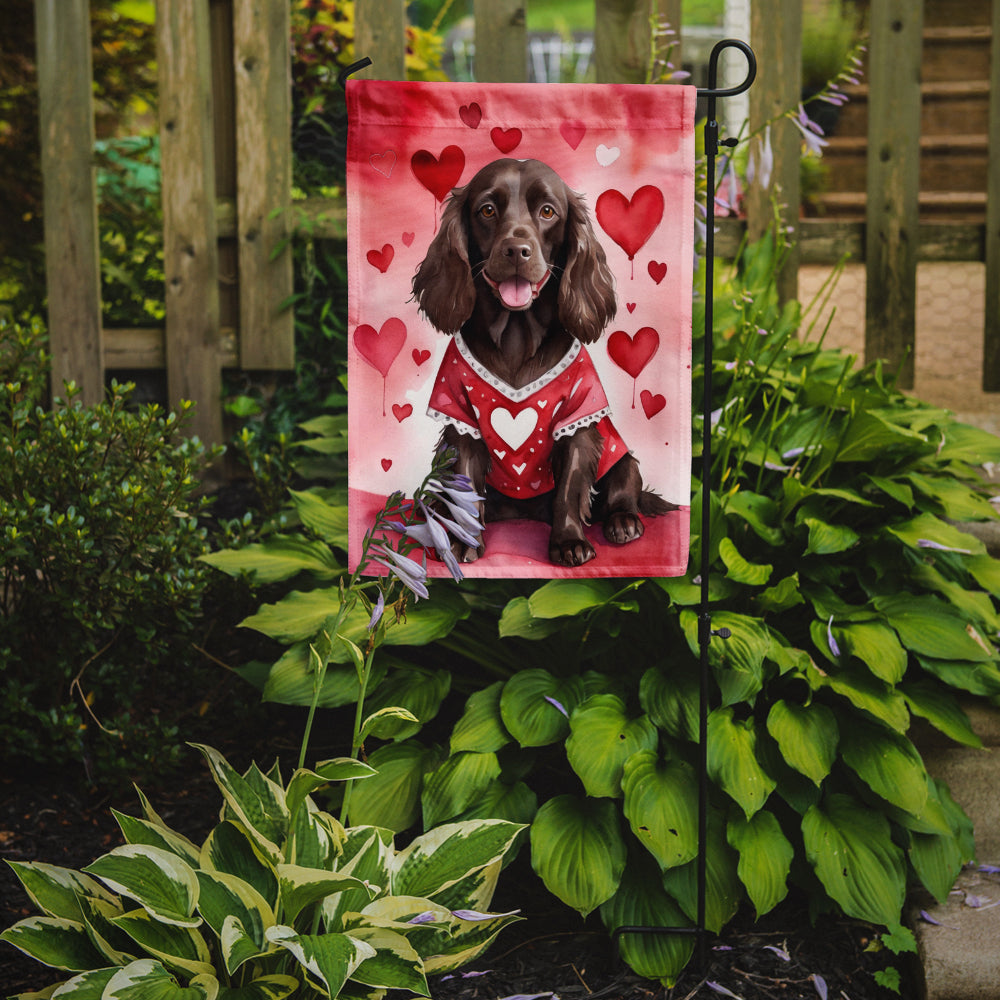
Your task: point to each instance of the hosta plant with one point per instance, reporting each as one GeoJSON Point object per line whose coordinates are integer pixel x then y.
{"type": "Point", "coordinates": [279, 900]}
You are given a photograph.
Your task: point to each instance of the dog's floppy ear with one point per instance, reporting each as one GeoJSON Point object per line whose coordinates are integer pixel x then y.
{"type": "Point", "coordinates": [443, 284]}
{"type": "Point", "coordinates": [586, 289]}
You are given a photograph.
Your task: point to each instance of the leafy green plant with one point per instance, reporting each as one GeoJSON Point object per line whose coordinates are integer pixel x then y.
{"type": "Point", "coordinates": [100, 585]}
{"type": "Point", "coordinates": [279, 899]}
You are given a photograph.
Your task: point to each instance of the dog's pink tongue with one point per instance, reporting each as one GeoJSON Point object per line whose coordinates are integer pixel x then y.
{"type": "Point", "coordinates": [515, 292]}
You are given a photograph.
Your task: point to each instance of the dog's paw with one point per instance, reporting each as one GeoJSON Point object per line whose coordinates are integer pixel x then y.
{"type": "Point", "coordinates": [622, 527]}
{"type": "Point", "coordinates": [571, 551]}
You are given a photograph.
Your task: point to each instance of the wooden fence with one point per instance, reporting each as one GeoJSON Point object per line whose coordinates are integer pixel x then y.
{"type": "Point", "coordinates": [225, 125]}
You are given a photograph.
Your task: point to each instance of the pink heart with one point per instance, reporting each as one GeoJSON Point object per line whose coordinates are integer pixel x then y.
{"type": "Point", "coordinates": [383, 162]}
{"type": "Point", "coordinates": [657, 270]}
{"type": "Point", "coordinates": [407, 239]}
{"type": "Point", "coordinates": [630, 306]}
{"type": "Point", "coordinates": [506, 139]}
{"type": "Point", "coordinates": [632, 354]}
{"type": "Point", "coordinates": [573, 132]}
{"type": "Point", "coordinates": [471, 114]}
{"type": "Point", "coordinates": [401, 412]}
{"type": "Point", "coordinates": [438, 174]}
{"type": "Point", "coordinates": [651, 405]}
{"type": "Point", "coordinates": [380, 347]}
{"type": "Point", "coordinates": [386, 464]}
{"type": "Point", "coordinates": [420, 356]}
{"type": "Point", "coordinates": [630, 222]}
{"type": "Point", "coordinates": [381, 259]}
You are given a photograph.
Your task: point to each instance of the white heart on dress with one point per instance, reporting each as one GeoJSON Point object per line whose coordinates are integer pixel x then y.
{"type": "Point", "coordinates": [514, 430]}
{"type": "Point", "coordinates": [499, 454]}
{"type": "Point", "coordinates": [607, 155]}
{"type": "Point", "coordinates": [520, 468]}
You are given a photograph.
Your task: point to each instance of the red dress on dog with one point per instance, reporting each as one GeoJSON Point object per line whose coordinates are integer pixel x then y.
{"type": "Point", "coordinates": [519, 426]}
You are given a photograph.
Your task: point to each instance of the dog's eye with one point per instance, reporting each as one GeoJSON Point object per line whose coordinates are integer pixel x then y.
{"type": "Point", "coordinates": [547, 212]}
{"type": "Point", "coordinates": [487, 211]}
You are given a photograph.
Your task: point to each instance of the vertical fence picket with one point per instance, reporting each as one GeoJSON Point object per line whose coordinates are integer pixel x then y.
{"type": "Point", "coordinates": [262, 64]}
{"type": "Point", "coordinates": [501, 41]}
{"type": "Point", "coordinates": [190, 252]}
{"type": "Point", "coordinates": [892, 213]}
{"type": "Point", "coordinates": [380, 34]}
{"type": "Point", "coordinates": [621, 40]}
{"type": "Point", "coordinates": [991, 331]}
{"type": "Point", "coordinates": [72, 257]}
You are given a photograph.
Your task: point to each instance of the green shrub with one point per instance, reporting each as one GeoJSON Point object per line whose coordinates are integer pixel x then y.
{"type": "Point", "coordinates": [100, 583]}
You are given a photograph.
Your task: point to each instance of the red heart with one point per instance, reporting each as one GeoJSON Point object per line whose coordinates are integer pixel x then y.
{"type": "Point", "coordinates": [386, 464]}
{"type": "Point", "coordinates": [381, 258]}
{"type": "Point", "coordinates": [380, 347]}
{"type": "Point", "coordinates": [632, 354]}
{"type": "Point", "coordinates": [573, 132]}
{"type": "Point", "coordinates": [506, 139]}
{"type": "Point", "coordinates": [657, 270]}
{"type": "Point", "coordinates": [651, 405]}
{"type": "Point", "coordinates": [630, 222]}
{"type": "Point", "coordinates": [401, 412]}
{"type": "Point", "coordinates": [471, 114]}
{"type": "Point", "coordinates": [630, 306]}
{"type": "Point", "coordinates": [420, 356]}
{"type": "Point", "coordinates": [439, 176]}
{"type": "Point", "coordinates": [407, 239]}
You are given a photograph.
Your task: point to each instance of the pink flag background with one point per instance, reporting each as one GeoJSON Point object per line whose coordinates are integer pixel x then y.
{"type": "Point", "coordinates": [409, 145]}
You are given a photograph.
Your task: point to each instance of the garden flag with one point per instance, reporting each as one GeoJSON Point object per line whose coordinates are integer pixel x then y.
{"type": "Point", "coordinates": [520, 272]}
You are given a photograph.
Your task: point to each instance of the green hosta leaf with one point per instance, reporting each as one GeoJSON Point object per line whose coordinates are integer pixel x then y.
{"type": "Point", "coordinates": [304, 782]}
{"type": "Point", "coordinates": [225, 898]}
{"type": "Point", "coordinates": [418, 691]}
{"type": "Point", "coordinates": [275, 987]}
{"type": "Point", "coordinates": [54, 941]}
{"type": "Point", "coordinates": [957, 501]}
{"type": "Point", "coordinates": [327, 520]}
{"type": "Point", "coordinates": [481, 728]}
{"type": "Point", "coordinates": [516, 803]}
{"type": "Point", "coordinates": [783, 595]}
{"type": "Point", "coordinates": [602, 738]}
{"type": "Point", "coordinates": [641, 901]}
{"type": "Point", "coordinates": [828, 539]}
{"type": "Point", "coordinates": [986, 571]}
{"type": "Point", "coordinates": [395, 964]}
{"type": "Point", "coordinates": [577, 850]}
{"type": "Point", "coordinates": [330, 959]}
{"type": "Point", "coordinates": [965, 443]}
{"type": "Point", "coordinates": [180, 948]}
{"type": "Point", "coordinates": [661, 806]}
{"type": "Point", "coordinates": [530, 706]}
{"type": "Point", "coordinates": [56, 891]}
{"type": "Point", "coordinates": [932, 628]}
{"type": "Point", "coordinates": [517, 620]}
{"type": "Point", "coordinates": [159, 881]}
{"type": "Point", "coordinates": [671, 699]}
{"type": "Point", "coordinates": [975, 605]}
{"type": "Point", "coordinates": [870, 435]}
{"type": "Point", "coordinates": [928, 528]}
{"type": "Point", "coordinates": [438, 859]}
{"type": "Point", "coordinates": [292, 681]}
{"type": "Point", "coordinates": [865, 692]}
{"type": "Point", "coordinates": [391, 798]}
{"type": "Point", "coordinates": [758, 511]}
{"type": "Point", "coordinates": [280, 557]}
{"type": "Point", "coordinates": [807, 736]}
{"type": "Point", "coordinates": [301, 887]}
{"type": "Point", "coordinates": [141, 831]}
{"type": "Point", "coordinates": [732, 760]}
{"type": "Point", "coordinates": [559, 598]}
{"type": "Point", "coordinates": [456, 784]}
{"type": "Point", "coordinates": [939, 707]}
{"type": "Point", "coordinates": [876, 646]}
{"type": "Point", "coordinates": [937, 859]}
{"type": "Point", "coordinates": [386, 723]}
{"type": "Point", "coordinates": [850, 848]}
{"type": "Point", "coordinates": [887, 762]}
{"type": "Point", "coordinates": [739, 569]}
{"type": "Point", "coordinates": [765, 858]}
{"type": "Point", "coordinates": [230, 849]}
{"type": "Point", "coordinates": [683, 592]}
{"type": "Point", "coordinates": [976, 678]}
{"type": "Point", "coordinates": [738, 661]}
{"type": "Point", "coordinates": [894, 489]}
{"type": "Point", "coordinates": [147, 979]}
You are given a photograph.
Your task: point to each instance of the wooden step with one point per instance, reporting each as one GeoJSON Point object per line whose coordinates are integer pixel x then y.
{"type": "Point", "coordinates": [959, 206]}
{"type": "Point", "coordinates": [956, 53]}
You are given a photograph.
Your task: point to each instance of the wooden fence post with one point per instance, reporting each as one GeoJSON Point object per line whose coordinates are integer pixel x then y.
{"type": "Point", "coordinates": [72, 255]}
{"type": "Point", "coordinates": [501, 41]}
{"type": "Point", "coordinates": [262, 62]}
{"type": "Point", "coordinates": [622, 40]}
{"type": "Point", "coordinates": [776, 35]}
{"type": "Point", "coordinates": [892, 212]}
{"type": "Point", "coordinates": [991, 331]}
{"type": "Point", "coordinates": [190, 251]}
{"type": "Point", "coordinates": [380, 34]}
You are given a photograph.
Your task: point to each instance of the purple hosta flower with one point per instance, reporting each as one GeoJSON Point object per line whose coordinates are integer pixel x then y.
{"type": "Point", "coordinates": [719, 988]}
{"type": "Point", "coordinates": [782, 953]}
{"type": "Point", "coordinates": [834, 648]}
{"type": "Point", "coordinates": [427, 917]}
{"type": "Point", "coordinates": [462, 525]}
{"type": "Point", "coordinates": [927, 918]}
{"type": "Point", "coordinates": [377, 612]}
{"type": "Point", "coordinates": [760, 165]}
{"type": "Point", "coordinates": [927, 543]}
{"type": "Point", "coordinates": [820, 983]}
{"type": "Point", "coordinates": [812, 134]}
{"type": "Point", "coordinates": [989, 869]}
{"type": "Point", "coordinates": [437, 529]}
{"type": "Point", "coordinates": [531, 996]}
{"type": "Point", "coordinates": [730, 201]}
{"type": "Point", "coordinates": [411, 574]}
{"type": "Point", "coordinates": [552, 701]}
{"type": "Point", "coordinates": [475, 915]}
{"type": "Point", "coordinates": [465, 975]}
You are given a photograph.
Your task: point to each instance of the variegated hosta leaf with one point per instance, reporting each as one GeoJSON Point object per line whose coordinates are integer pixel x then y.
{"type": "Point", "coordinates": [225, 897]}
{"type": "Point", "coordinates": [315, 838]}
{"type": "Point", "coordinates": [54, 941]}
{"type": "Point", "coordinates": [888, 763]}
{"type": "Point", "coordinates": [641, 901]}
{"type": "Point", "coordinates": [465, 941]}
{"type": "Point", "coordinates": [230, 849]}
{"type": "Point", "coordinates": [158, 880]}
{"type": "Point", "coordinates": [274, 987]}
{"type": "Point", "coordinates": [851, 850]}
{"type": "Point", "coordinates": [301, 887]}
{"type": "Point", "coordinates": [147, 979]}
{"type": "Point", "coordinates": [732, 760]}
{"type": "Point", "coordinates": [177, 947]}
{"type": "Point", "coordinates": [578, 851]}
{"type": "Point", "coordinates": [476, 890]}
{"type": "Point", "coordinates": [141, 831]}
{"type": "Point", "coordinates": [661, 805]}
{"type": "Point", "coordinates": [807, 736]}
{"type": "Point", "coordinates": [391, 799]}
{"type": "Point", "coordinates": [535, 706]}
{"type": "Point", "coordinates": [86, 986]}
{"type": "Point", "coordinates": [456, 784]}
{"type": "Point", "coordinates": [765, 858]}
{"type": "Point", "coordinates": [481, 727]}
{"type": "Point", "coordinates": [441, 857]}
{"type": "Point", "coordinates": [56, 891]}
{"type": "Point", "coordinates": [395, 964]}
{"type": "Point", "coordinates": [602, 737]}
{"type": "Point", "coordinates": [367, 853]}
{"type": "Point", "coordinates": [304, 782]}
{"type": "Point", "coordinates": [256, 801]}
{"type": "Point", "coordinates": [98, 915]}
{"type": "Point", "coordinates": [329, 959]}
